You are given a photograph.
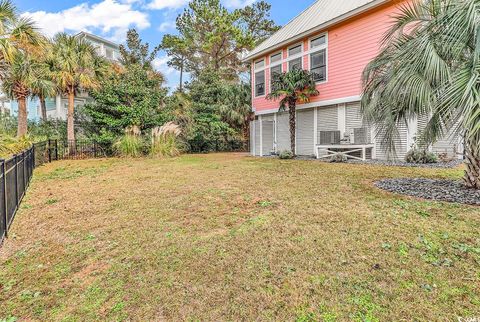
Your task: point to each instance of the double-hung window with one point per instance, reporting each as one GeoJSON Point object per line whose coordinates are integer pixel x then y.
{"type": "Point", "coordinates": [275, 69]}
{"type": "Point", "coordinates": [259, 78]}
{"type": "Point", "coordinates": [295, 63]}
{"type": "Point", "coordinates": [318, 58]}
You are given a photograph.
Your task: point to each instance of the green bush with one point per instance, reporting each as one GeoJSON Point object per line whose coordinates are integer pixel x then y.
{"type": "Point", "coordinates": [129, 146]}
{"type": "Point", "coordinates": [420, 156]}
{"type": "Point", "coordinates": [10, 145]}
{"type": "Point", "coordinates": [286, 155]}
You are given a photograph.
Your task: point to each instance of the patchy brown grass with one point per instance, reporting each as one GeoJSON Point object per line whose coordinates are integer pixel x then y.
{"type": "Point", "coordinates": [228, 237]}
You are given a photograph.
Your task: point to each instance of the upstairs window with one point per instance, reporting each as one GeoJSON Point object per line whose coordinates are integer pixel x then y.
{"type": "Point", "coordinates": [295, 64]}
{"type": "Point", "coordinates": [274, 73]}
{"type": "Point", "coordinates": [318, 66]}
{"type": "Point", "coordinates": [260, 83]}
{"type": "Point", "coordinates": [275, 58]}
{"type": "Point", "coordinates": [259, 64]}
{"type": "Point", "coordinates": [318, 58]}
{"type": "Point", "coordinates": [320, 41]}
{"type": "Point", "coordinates": [295, 50]}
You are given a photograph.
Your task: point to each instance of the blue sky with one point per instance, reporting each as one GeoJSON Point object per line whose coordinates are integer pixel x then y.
{"type": "Point", "coordinates": [111, 18]}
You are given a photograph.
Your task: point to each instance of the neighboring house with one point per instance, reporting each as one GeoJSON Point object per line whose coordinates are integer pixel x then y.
{"type": "Point", "coordinates": [335, 40]}
{"type": "Point", "coordinates": [57, 106]}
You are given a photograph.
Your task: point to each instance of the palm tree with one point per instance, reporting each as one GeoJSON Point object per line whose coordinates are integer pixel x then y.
{"type": "Point", "coordinates": [75, 67]}
{"type": "Point", "coordinates": [15, 33]}
{"type": "Point", "coordinates": [236, 107]}
{"type": "Point", "coordinates": [25, 75]}
{"type": "Point", "coordinates": [297, 85]}
{"type": "Point", "coordinates": [44, 57]}
{"type": "Point", "coordinates": [429, 66]}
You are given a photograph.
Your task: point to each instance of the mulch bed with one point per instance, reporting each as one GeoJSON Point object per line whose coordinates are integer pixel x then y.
{"type": "Point", "coordinates": [438, 190]}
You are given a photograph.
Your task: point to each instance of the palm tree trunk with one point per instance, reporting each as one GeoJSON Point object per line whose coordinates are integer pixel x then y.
{"type": "Point", "coordinates": [292, 111]}
{"type": "Point", "coordinates": [70, 121]}
{"type": "Point", "coordinates": [472, 162]}
{"type": "Point", "coordinates": [43, 108]}
{"type": "Point", "coordinates": [22, 116]}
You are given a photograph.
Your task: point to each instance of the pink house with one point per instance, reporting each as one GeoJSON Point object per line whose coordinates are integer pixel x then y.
{"type": "Point", "coordinates": [335, 40]}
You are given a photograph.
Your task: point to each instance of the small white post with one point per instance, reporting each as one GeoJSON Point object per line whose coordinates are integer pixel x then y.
{"type": "Point", "coordinates": [342, 119]}
{"type": "Point", "coordinates": [261, 135]}
{"type": "Point", "coordinates": [315, 130]}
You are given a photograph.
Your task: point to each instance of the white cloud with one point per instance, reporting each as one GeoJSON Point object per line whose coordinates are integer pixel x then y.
{"type": "Point", "coordinates": [167, 4]}
{"type": "Point", "coordinates": [167, 25]}
{"type": "Point", "coordinates": [238, 3]}
{"type": "Point", "coordinates": [108, 16]}
{"type": "Point", "coordinates": [160, 64]}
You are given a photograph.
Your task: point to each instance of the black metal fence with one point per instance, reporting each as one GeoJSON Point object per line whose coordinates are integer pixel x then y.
{"type": "Point", "coordinates": [16, 172]}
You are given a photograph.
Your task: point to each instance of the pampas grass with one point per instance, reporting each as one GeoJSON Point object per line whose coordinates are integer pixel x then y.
{"type": "Point", "coordinates": [165, 142]}
{"type": "Point", "coordinates": [130, 144]}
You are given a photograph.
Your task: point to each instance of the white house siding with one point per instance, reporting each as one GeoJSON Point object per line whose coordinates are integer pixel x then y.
{"type": "Point", "coordinates": [450, 144]}
{"type": "Point", "coordinates": [257, 137]}
{"type": "Point", "coordinates": [267, 134]}
{"type": "Point", "coordinates": [305, 143]}
{"type": "Point", "coordinates": [401, 147]}
{"type": "Point", "coordinates": [327, 118]}
{"type": "Point", "coordinates": [283, 132]}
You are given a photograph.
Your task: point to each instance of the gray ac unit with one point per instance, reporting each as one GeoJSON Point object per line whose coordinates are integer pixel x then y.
{"type": "Point", "coordinates": [328, 137]}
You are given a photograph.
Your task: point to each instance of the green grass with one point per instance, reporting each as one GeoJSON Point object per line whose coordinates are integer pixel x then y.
{"type": "Point", "coordinates": [226, 237]}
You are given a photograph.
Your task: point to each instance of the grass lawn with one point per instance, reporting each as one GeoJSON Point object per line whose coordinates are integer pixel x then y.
{"type": "Point", "coordinates": [227, 237]}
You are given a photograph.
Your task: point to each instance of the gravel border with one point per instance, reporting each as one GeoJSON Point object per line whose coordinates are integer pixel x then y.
{"type": "Point", "coordinates": [438, 190]}
{"type": "Point", "coordinates": [439, 165]}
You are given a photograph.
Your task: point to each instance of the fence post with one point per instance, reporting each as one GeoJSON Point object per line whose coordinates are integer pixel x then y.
{"type": "Point", "coordinates": [56, 149]}
{"type": "Point", "coordinates": [49, 149]}
{"type": "Point", "coordinates": [4, 198]}
{"type": "Point", "coordinates": [33, 158]}
{"type": "Point", "coordinates": [16, 181]}
{"type": "Point", "coordinates": [24, 172]}
{"type": "Point", "coordinates": [94, 148]}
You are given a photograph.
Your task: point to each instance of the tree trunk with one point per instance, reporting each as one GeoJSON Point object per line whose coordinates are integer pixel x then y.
{"type": "Point", "coordinates": [180, 88]}
{"type": "Point", "coordinates": [43, 108]}
{"type": "Point", "coordinates": [292, 110]}
{"type": "Point", "coordinates": [22, 116]}
{"type": "Point", "coordinates": [472, 162]}
{"type": "Point", "coordinates": [70, 121]}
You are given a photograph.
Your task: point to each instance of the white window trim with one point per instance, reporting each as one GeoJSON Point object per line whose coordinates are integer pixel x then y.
{"type": "Point", "coordinates": [255, 83]}
{"type": "Point", "coordinates": [317, 49]}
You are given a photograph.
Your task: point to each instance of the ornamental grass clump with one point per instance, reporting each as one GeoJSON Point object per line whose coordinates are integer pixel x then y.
{"type": "Point", "coordinates": [10, 145]}
{"type": "Point", "coordinates": [130, 144]}
{"type": "Point", "coordinates": [165, 140]}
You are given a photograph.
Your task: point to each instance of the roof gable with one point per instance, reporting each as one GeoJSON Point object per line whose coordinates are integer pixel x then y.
{"type": "Point", "coordinates": [321, 14]}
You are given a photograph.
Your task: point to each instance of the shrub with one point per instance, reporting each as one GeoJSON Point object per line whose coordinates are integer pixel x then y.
{"type": "Point", "coordinates": [286, 155]}
{"type": "Point", "coordinates": [420, 156]}
{"type": "Point", "coordinates": [165, 141]}
{"type": "Point", "coordinates": [339, 158]}
{"type": "Point", "coordinates": [10, 145]}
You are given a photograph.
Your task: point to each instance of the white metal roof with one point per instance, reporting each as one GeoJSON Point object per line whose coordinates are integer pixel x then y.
{"type": "Point", "coordinates": [321, 14]}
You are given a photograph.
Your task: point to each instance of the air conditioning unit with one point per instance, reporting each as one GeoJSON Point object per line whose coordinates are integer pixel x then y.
{"type": "Point", "coordinates": [360, 136]}
{"type": "Point", "coordinates": [329, 137]}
